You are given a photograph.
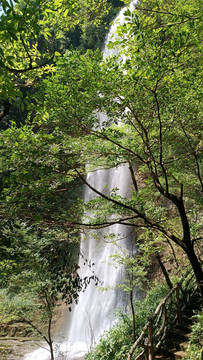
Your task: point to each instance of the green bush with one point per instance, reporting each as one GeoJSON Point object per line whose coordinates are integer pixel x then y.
{"type": "Point", "coordinates": [194, 350]}
{"type": "Point", "coordinates": [115, 344]}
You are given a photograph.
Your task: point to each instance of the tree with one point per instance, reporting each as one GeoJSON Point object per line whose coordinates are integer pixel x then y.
{"type": "Point", "coordinates": [152, 99]}
{"type": "Point", "coordinates": [39, 270]}
{"type": "Point", "coordinates": [30, 35]}
{"type": "Point", "coordinates": [155, 95]}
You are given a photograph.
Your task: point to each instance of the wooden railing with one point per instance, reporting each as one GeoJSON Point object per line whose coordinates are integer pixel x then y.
{"type": "Point", "coordinates": [154, 332]}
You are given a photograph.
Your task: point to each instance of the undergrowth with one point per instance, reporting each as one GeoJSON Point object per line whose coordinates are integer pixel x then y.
{"type": "Point", "coordinates": [115, 344]}
{"type": "Point", "coordinates": [195, 347]}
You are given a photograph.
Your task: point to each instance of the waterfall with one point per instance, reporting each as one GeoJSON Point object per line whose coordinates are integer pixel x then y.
{"type": "Point", "coordinates": [112, 36]}
{"type": "Point", "coordinates": [95, 311]}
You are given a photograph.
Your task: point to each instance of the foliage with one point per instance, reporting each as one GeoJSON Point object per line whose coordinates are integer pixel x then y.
{"type": "Point", "coordinates": [14, 306]}
{"type": "Point", "coordinates": [49, 195]}
{"type": "Point", "coordinates": [91, 35]}
{"type": "Point", "coordinates": [117, 342]}
{"type": "Point", "coordinates": [136, 273]}
{"type": "Point", "coordinates": [39, 270]}
{"type": "Point", "coordinates": [137, 260]}
{"type": "Point", "coordinates": [153, 101]}
{"type": "Point", "coordinates": [194, 350]}
{"type": "Point", "coordinates": [45, 262]}
{"type": "Point", "coordinates": [32, 36]}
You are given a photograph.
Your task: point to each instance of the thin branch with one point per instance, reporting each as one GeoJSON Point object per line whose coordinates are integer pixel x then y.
{"type": "Point", "coordinates": [34, 327]}
{"type": "Point", "coordinates": [161, 142]}
{"type": "Point", "coordinates": [104, 224]}
{"type": "Point", "coordinates": [174, 254]}
{"type": "Point", "coordinates": [133, 177]}
{"type": "Point", "coordinates": [197, 239]}
{"type": "Point", "coordinates": [26, 50]}
{"type": "Point", "coordinates": [181, 191]}
{"type": "Point", "coordinates": [166, 13]}
{"type": "Point", "coordinates": [116, 202]}
{"type": "Point", "coordinates": [154, 226]}
{"type": "Point", "coordinates": [146, 143]}
{"type": "Point", "coordinates": [104, 136]}
{"type": "Point", "coordinates": [20, 71]}
{"type": "Point", "coordinates": [194, 154]}
{"type": "Point", "coordinates": [175, 23]}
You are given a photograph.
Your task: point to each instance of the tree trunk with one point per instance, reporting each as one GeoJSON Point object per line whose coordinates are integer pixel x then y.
{"type": "Point", "coordinates": [164, 271]}
{"type": "Point", "coordinates": [50, 339]}
{"type": "Point", "coordinates": [133, 177]}
{"type": "Point", "coordinates": [51, 350]}
{"type": "Point", "coordinates": [196, 267]}
{"type": "Point", "coordinates": [188, 246]}
{"type": "Point", "coordinates": [133, 312]}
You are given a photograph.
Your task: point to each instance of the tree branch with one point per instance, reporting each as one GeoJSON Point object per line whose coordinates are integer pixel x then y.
{"type": "Point", "coordinates": [104, 136]}
{"type": "Point", "coordinates": [140, 215]}
{"type": "Point", "coordinates": [26, 50]}
{"type": "Point", "coordinates": [105, 224]}
{"type": "Point", "coordinates": [19, 71]}
{"type": "Point", "coordinates": [133, 177]}
{"type": "Point", "coordinates": [166, 13]}
{"type": "Point", "coordinates": [161, 142]}
{"type": "Point", "coordinates": [194, 154]}
{"type": "Point", "coordinates": [23, 320]}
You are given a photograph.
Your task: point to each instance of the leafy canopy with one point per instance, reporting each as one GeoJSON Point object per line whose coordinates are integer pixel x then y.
{"type": "Point", "coordinates": [153, 101]}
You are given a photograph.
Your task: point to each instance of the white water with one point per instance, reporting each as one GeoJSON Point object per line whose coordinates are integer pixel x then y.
{"type": "Point", "coordinates": [95, 312]}
{"type": "Point", "coordinates": [112, 36]}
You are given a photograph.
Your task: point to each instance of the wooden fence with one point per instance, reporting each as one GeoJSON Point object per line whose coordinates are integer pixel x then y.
{"type": "Point", "coordinates": [154, 332]}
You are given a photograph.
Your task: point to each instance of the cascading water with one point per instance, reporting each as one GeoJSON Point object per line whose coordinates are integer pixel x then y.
{"type": "Point", "coordinates": [112, 36]}
{"type": "Point", "coordinates": [95, 310]}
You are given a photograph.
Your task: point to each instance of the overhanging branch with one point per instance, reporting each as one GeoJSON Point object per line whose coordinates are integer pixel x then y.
{"type": "Point", "coordinates": [31, 67]}
{"type": "Point", "coordinates": [147, 223]}
{"type": "Point", "coordinates": [166, 13]}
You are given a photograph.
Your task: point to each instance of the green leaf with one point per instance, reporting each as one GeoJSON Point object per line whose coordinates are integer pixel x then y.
{"type": "Point", "coordinates": [57, 53]}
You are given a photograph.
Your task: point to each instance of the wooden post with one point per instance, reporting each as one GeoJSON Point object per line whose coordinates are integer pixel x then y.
{"type": "Point", "coordinates": [146, 352]}
{"type": "Point", "coordinates": [177, 299]}
{"type": "Point", "coordinates": [150, 341]}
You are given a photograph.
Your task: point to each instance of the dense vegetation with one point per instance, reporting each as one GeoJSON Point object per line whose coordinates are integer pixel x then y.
{"type": "Point", "coordinates": [53, 83]}
{"type": "Point", "coordinates": [115, 344]}
{"type": "Point", "coordinates": [194, 350]}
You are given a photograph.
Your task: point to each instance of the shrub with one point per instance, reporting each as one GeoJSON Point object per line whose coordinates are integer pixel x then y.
{"type": "Point", "coordinates": [115, 344]}
{"type": "Point", "coordinates": [194, 350]}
